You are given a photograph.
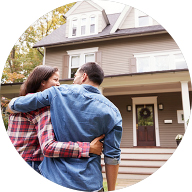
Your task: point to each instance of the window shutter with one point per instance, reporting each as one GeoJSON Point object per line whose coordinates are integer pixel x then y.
{"type": "Point", "coordinates": [65, 66]}
{"type": "Point", "coordinates": [98, 58]}
{"type": "Point", "coordinates": [132, 66]}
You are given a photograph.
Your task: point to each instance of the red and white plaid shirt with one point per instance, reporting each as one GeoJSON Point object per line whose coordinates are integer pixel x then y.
{"type": "Point", "coordinates": [33, 137]}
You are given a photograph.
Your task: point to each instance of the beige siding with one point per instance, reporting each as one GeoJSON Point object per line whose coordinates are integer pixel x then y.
{"type": "Point", "coordinates": [83, 8]}
{"type": "Point", "coordinates": [171, 101]}
{"type": "Point", "coordinates": [54, 58]}
{"type": "Point", "coordinates": [129, 22]}
{"type": "Point", "coordinates": [121, 102]}
{"type": "Point", "coordinates": [101, 23]}
{"type": "Point", "coordinates": [116, 54]}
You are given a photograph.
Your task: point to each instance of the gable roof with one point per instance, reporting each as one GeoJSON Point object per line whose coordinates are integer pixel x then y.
{"type": "Point", "coordinates": [121, 18]}
{"type": "Point", "coordinates": [79, 3]}
{"type": "Point", "coordinates": [58, 38]}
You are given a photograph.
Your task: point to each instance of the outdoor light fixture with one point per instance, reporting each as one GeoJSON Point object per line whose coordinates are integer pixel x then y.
{"type": "Point", "coordinates": [160, 106]}
{"type": "Point", "coordinates": [129, 108]}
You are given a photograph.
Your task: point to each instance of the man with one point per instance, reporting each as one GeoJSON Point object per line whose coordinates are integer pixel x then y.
{"type": "Point", "coordinates": [80, 112]}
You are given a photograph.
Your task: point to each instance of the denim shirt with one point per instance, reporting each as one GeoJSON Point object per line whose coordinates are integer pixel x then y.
{"type": "Point", "coordinates": [78, 113]}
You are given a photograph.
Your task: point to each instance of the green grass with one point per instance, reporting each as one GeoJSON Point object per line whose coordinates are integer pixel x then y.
{"type": "Point", "coordinates": [105, 185]}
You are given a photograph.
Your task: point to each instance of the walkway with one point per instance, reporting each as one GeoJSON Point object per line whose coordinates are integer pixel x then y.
{"type": "Point", "coordinates": [122, 183]}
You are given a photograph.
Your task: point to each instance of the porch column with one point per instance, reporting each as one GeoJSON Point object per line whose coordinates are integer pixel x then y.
{"type": "Point", "coordinates": [185, 101]}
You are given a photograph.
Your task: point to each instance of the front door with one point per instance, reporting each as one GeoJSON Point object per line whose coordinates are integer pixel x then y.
{"type": "Point", "coordinates": [145, 125]}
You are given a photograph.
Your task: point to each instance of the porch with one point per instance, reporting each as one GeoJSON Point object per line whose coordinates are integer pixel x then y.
{"type": "Point", "coordinates": [137, 163]}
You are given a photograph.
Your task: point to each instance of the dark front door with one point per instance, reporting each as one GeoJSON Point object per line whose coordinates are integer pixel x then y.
{"type": "Point", "coordinates": [145, 125]}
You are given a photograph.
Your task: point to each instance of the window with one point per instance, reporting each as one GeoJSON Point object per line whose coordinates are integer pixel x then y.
{"type": "Point", "coordinates": [159, 61]}
{"type": "Point", "coordinates": [143, 64]}
{"type": "Point", "coordinates": [180, 61]}
{"type": "Point", "coordinates": [75, 61]}
{"type": "Point", "coordinates": [79, 57]}
{"type": "Point", "coordinates": [142, 19]}
{"type": "Point", "coordinates": [92, 25]}
{"type": "Point", "coordinates": [83, 26]}
{"type": "Point", "coordinates": [74, 27]}
{"type": "Point", "coordinates": [89, 57]}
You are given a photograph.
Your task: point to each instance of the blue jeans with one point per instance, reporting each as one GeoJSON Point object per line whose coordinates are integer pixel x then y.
{"type": "Point", "coordinates": [35, 165]}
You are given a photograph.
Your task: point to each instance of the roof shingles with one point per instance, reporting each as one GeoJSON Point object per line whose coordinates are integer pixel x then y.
{"type": "Point", "coordinates": [58, 37]}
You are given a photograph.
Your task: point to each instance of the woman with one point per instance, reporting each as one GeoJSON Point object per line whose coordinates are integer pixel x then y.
{"type": "Point", "coordinates": [32, 133]}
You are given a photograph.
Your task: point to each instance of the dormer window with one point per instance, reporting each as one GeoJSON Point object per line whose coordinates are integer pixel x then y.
{"type": "Point", "coordinates": [83, 26]}
{"type": "Point", "coordinates": [142, 19]}
{"type": "Point", "coordinates": [92, 24]}
{"type": "Point", "coordinates": [74, 27]}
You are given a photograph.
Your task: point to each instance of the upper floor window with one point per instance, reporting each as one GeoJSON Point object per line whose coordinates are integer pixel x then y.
{"type": "Point", "coordinates": [159, 61]}
{"type": "Point", "coordinates": [92, 24]}
{"type": "Point", "coordinates": [74, 27]}
{"type": "Point", "coordinates": [79, 57]}
{"type": "Point", "coordinates": [83, 26]}
{"type": "Point", "coordinates": [142, 19]}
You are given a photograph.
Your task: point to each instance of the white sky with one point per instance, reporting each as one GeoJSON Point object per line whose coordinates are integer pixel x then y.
{"type": "Point", "coordinates": [110, 6]}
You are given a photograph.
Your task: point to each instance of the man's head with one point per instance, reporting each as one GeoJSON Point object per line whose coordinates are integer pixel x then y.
{"type": "Point", "coordinates": [89, 73]}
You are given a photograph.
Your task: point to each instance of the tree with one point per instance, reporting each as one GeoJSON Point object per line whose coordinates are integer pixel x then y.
{"type": "Point", "coordinates": [23, 58]}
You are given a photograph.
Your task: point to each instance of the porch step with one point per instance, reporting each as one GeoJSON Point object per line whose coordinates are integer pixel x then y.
{"type": "Point", "coordinates": [147, 150]}
{"type": "Point", "coordinates": [139, 163]}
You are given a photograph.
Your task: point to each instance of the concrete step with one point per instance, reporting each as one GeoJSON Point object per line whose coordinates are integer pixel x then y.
{"type": "Point", "coordinates": [147, 150]}
{"type": "Point", "coordinates": [136, 169]}
{"type": "Point", "coordinates": [130, 176]}
{"type": "Point", "coordinates": [156, 156]}
{"type": "Point", "coordinates": [139, 163]}
{"type": "Point", "coordinates": [143, 162]}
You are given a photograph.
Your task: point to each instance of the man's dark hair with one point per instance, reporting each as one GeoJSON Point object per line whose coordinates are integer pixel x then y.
{"type": "Point", "coordinates": [94, 72]}
{"type": "Point", "coordinates": [33, 82]}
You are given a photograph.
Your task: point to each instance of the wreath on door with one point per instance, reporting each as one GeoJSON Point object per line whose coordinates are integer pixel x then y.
{"type": "Point", "coordinates": [145, 113]}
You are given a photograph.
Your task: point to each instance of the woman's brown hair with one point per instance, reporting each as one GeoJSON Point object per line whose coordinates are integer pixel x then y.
{"type": "Point", "coordinates": [33, 82]}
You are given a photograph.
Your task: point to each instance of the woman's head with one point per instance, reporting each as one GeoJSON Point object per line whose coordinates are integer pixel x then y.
{"type": "Point", "coordinates": [41, 78]}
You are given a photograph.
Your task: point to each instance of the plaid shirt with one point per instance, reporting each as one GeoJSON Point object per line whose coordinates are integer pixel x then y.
{"type": "Point", "coordinates": [33, 137]}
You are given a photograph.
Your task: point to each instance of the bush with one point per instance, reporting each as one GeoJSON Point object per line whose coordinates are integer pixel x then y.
{"type": "Point", "coordinates": [5, 117]}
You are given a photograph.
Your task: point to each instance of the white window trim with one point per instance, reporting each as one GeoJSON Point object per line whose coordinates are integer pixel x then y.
{"type": "Point", "coordinates": [79, 17]}
{"type": "Point", "coordinates": [71, 28]}
{"type": "Point", "coordinates": [157, 53]}
{"type": "Point", "coordinates": [153, 54]}
{"type": "Point", "coordinates": [81, 53]}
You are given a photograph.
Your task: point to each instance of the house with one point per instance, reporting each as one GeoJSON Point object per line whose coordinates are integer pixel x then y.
{"type": "Point", "coordinates": [146, 75]}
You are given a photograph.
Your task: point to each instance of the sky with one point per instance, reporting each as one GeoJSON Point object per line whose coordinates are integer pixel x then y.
{"type": "Point", "coordinates": [115, 7]}
{"type": "Point", "coordinates": [175, 16]}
